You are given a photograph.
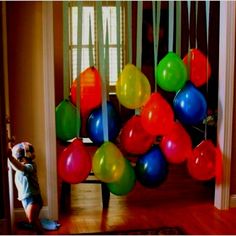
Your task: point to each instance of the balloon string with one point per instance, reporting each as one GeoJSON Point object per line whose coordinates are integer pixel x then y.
{"type": "Point", "coordinates": [189, 10]}
{"type": "Point", "coordinates": [118, 35]}
{"type": "Point", "coordinates": [171, 26]}
{"type": "Point", "coordinates": [107, 60]}
{"type": "Point", "coordinates": [139, 40]}
{"type": "Point", "coordinates": [79, 46]}
{"type": "Point", "coordinates": [178, 28]}
{"type": "Point", "coordinates": [91, 60]}
{"type": "Point", "coordinates": [207, 40]}
{"type": "Point", "coordinates": [139, 35]}
{"type": "Point", "coordinates": [79, 37]}
{"type": "Point", "coordinates": [101, 69]}
{"type": "Point", "coordinates": [156, 10]}
{"type": "Point", "coordinates": [79, 43]}
{"type": "Point", "coordinates": [196, 20]}
{"type": "Point", "coordinates": [66, 81]}
{"type": "Point", "coordinates": [129, 30]}
{"type": "Point", "coordinates": [189, 37]}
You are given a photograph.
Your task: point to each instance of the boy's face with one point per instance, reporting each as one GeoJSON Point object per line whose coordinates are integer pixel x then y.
{"type": "Point", "coordinates": [26, 160]}
{"type": "Point", "coordinates": [23, 160]}
{"type": "Point", "coordinates": [31, 154]}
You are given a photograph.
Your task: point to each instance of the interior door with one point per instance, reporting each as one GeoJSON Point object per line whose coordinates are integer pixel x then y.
{"type": "Point", "coordinates": [5, 216]}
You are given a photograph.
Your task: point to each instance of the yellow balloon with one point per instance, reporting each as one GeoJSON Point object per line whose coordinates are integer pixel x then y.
{"type": "Point", "coordinates": [132, 88]}
{"type": "Point", "coordinates": [108, 163]}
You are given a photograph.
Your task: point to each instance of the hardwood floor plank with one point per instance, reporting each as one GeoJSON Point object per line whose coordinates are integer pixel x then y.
{"type": "Point", "coordinates": [180, 201]}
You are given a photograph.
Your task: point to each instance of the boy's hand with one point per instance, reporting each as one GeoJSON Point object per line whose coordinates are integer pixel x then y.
{"type": "Point", "coordinates": [9, 152]}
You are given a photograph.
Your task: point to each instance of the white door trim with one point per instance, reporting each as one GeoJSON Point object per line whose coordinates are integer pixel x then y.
{"type": "Point", "coordinates": [49, 109]}
{"type": "Point", "coordinates": [225, 103]}
{"type": "Point", "coordinates": [225, 100]}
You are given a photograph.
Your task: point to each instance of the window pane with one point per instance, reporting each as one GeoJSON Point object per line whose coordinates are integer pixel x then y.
{"type": "Point", "coordinates": [113, 65]}
{"type": "Point", "coordinates": [86, 12]}
{"type": "Point", "coordinates": [84, 61]}
{"type": "Point", "coordinates": [109, 16]}
{"type": "Point", "coordinates": [74, 19]}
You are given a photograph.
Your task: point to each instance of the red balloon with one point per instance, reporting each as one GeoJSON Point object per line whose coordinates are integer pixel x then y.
{"type": "Point", "coordinates": [157, 115]}
{"type": "Point", "coordinates": [202, 164]}
{"type": "Point", "coordinates": [176, 145]}
{"type": "Point", "coordinates": [90, 90]}
{"type": "Point", "coordinates": [134, 138]}
{"type": "Point", "coordinates": [200, 69]}
{"type": "Point", "coordinates": [74, 163]}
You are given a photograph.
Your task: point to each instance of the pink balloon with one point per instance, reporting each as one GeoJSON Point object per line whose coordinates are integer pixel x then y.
{"type": "Point", "coordinates": [157, 115]}
{"type": "Point", "coordinates": [177, 144]}
{"type": "Point", "coordinates": [202, 164]}
{"type": "Point", "coordinates": [74, 163]}
{"type": "Point", "coordinates": [134, 138]}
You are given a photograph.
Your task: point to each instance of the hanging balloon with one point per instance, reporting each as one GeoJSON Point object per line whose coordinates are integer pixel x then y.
{"type": "Point", "coordinates": [157, 115]}
{"type": "Point", "coordinates": [90, 90]}
{"type": "Point", "coordinates": [108, 163]}
{"type": "Point", "coordinates": [199, 66]}
{"type": "Point", "coordinates": [176, 145]}
{"type": "Point", "coordinates": [171, 73]}
{"type": "Point", "coordinates": [134, 138]}
{"type": "Point", "coordinates": [67, 120]}
{"type": "Point", "coordinates": [74, 164]}
{"type": "Point", "coordinates": [202, 164]}
{"type": "Point", "coordinates": [95, 124]}
{"type": "Point", "coordinates": [152, 168]}
{"type": "Point", "coordinates": [125, 183]}
{"type": "Point", "coordinates": [132, 88]}
{"type": "Point", "coordinates": [190, 105]}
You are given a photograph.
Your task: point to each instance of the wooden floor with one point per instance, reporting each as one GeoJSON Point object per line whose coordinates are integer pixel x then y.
{"type": "Point", "coordinates": [180, 201]}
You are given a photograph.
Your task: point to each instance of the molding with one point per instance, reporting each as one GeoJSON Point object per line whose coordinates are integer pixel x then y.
{"type": "Point", "coordinates": [4, 227]}
{"type": "Point", "coordinates": [225, 100]}
{"type": "Point", "coordinates": [232, 200]}
{"type": "Point", "coordinates": [7, 109]}
{"type": "Point", "coordinates": [49, 109]}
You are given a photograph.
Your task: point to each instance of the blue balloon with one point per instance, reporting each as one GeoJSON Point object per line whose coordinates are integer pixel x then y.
{"type": "Point", "coordinates": [95, 124]}
{"type": "Point", "coordinates": [190, 105]}
{"type": "Point", "coordinates": [152, 168]}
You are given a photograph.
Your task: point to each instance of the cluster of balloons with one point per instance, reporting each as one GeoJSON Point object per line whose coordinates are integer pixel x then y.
{"type": "Point", "coordinates": [157, 118]}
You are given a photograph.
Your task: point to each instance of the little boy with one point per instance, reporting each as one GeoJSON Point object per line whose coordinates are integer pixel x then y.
{"type": "Point", "coordinates": [21, 157]}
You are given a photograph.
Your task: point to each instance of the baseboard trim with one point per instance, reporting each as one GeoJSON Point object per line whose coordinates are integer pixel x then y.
{"type": "Point", "coordinates": [20, 214]}
{"type": "Point", "coordinates": [232, 202]}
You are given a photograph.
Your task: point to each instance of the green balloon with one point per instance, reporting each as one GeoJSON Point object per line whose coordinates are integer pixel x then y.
{"type": "Point", "coordinates": [171, 73]}
{"type": "Point", "coordinates": [67, 120]}
{"type": "Point", "coordinates": [126, 182]}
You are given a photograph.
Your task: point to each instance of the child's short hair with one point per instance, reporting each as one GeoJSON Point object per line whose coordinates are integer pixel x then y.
{"type": "Point", "coordinates": [23, 149]}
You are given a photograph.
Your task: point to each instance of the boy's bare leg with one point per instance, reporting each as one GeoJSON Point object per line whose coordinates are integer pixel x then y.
{"type": "Point", "coordinates": [32, 213]}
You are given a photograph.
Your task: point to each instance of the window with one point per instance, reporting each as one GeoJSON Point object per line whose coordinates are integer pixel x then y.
{"type": "Point", "coordinates": [109, 13]}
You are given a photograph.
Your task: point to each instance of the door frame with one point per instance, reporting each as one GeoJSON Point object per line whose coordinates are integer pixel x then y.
{"type": "Point", "coordinates": [225, 103]}
{"type": "Point", "coordinates": [223, 200]}
{"type": "Point", "coordinates": [49, 109]}
{"type": "Point", "coordinates": [51, 209]}
{"type": "Point", "coordinates": [5, 222]}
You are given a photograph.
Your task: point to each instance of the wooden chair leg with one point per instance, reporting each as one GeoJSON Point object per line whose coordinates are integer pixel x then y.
{"type": "Point", "coordinates": [65, 202]}
{"type": "Point", "coordinates": [105, 195]}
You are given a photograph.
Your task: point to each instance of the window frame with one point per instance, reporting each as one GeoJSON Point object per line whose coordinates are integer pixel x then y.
{"type": "Point", "coordinates": [123, 38]}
